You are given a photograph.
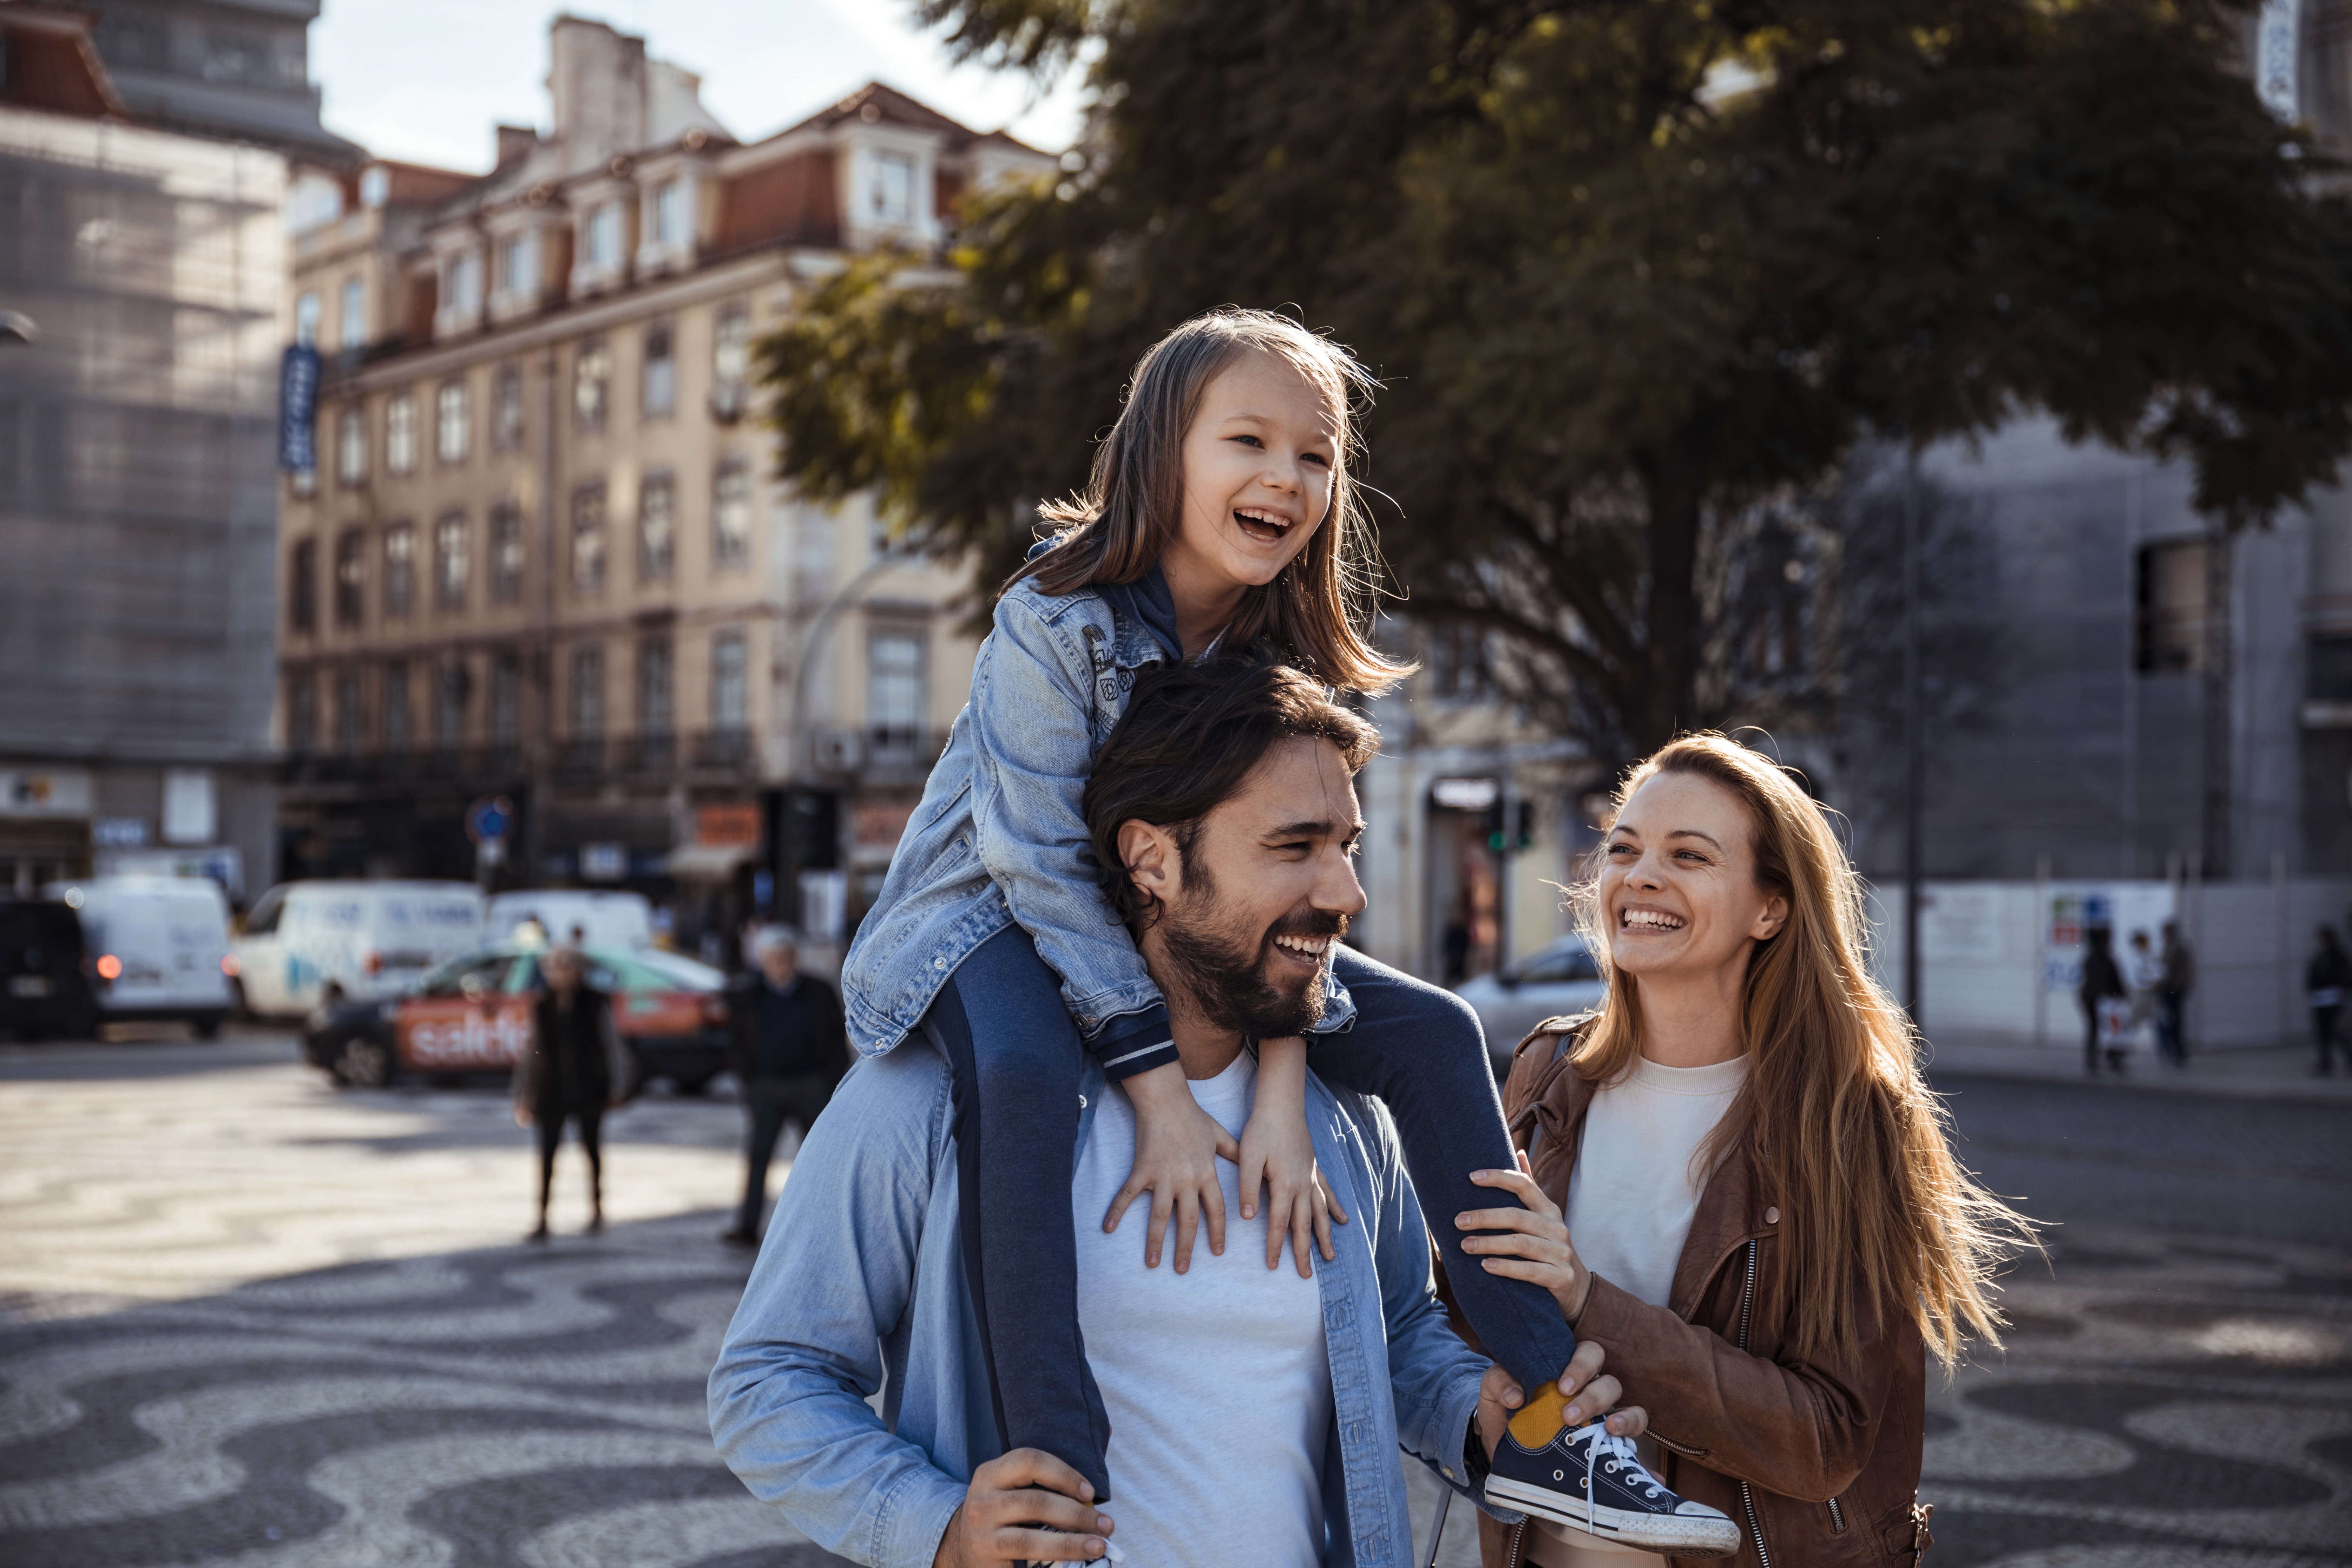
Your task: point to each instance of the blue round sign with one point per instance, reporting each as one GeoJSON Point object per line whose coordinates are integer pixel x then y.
{"type": "Point", "coordinates": [490, 817]}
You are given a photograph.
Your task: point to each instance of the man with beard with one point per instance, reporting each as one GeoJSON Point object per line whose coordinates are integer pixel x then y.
{"type": "Point", "coordinates": [1255, 1411]}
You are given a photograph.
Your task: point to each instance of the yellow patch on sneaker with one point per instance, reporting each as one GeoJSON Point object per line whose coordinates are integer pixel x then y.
{"type": "Point", "coordinates": [1539, 1421]}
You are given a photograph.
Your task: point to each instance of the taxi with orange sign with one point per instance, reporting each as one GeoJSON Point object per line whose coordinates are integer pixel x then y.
{"type": "Point", "coordinates": [473, 1014]}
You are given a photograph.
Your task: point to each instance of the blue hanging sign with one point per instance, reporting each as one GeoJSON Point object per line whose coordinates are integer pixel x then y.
{"type": "Point", "coordinates": [297, 409]}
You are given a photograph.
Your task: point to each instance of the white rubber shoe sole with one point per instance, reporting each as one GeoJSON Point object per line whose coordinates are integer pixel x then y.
{"type": "Point", "coordinates": [1679, 1534]}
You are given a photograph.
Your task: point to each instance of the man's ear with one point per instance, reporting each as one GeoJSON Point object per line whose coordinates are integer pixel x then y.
{"type": "Point", "coordinates": [1153, 865]}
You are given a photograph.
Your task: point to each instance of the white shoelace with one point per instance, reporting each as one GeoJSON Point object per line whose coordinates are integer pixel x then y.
{"type": "Point", "coordinates": [1597, 1440]}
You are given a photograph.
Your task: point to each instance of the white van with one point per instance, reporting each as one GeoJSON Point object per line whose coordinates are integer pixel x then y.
{"type": "Point", "coordinates": [603, 918]}
{"type": "Point", "coordinates": [313, 944]}
{"type": "Point", "coordinates": [159, 946]}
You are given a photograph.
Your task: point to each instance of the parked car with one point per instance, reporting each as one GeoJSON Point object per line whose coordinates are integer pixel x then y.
{"type": "Point", "coordinates": [158, 947]}
{"type": "Point", "coordinates": [317, 945]}
{"type": "Point", "coordinates": [473, 1014]}
{"type": "Point", "coordinates": [1553, 982]}
{"type": "Point", "coordinates": [603, 918]}
{"type": "Point", "coordinates": [46, 978]}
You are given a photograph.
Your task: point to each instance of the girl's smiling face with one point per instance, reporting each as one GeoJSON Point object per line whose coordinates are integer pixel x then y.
{"type": "Point", "coordinates": [1258, 462]}
{"type": "Point", "coordinates": [1678, 883]}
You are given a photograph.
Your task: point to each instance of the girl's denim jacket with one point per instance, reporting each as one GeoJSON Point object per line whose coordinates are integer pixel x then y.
{"type": "Point", "coordinates": [999, 837]}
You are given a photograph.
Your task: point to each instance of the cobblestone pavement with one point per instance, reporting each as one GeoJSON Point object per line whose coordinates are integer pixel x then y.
{"type": "Point", "coordinates": [244, 1318]}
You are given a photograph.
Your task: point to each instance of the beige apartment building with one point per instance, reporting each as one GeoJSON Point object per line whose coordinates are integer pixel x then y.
{"type": "Point", "coordinates": [542, 556]}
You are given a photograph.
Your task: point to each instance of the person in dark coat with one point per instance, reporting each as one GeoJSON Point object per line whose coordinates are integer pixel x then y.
{"type": "Point", "coordinates": [2172, 999]}
{"type": "Point", "coordinates": [2102, 981]}
{"type": "Point", "coordinates": [575, 1070]}
{"type": "Point", "coordinates": [2325, 982]}
{"type": "Point", "coordinates": [791, 1048]}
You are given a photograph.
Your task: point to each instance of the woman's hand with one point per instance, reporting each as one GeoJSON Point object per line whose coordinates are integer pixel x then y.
{"type": "Point", "coordinates": [1589, 1393]}
{"type": "Point", "coordinates": [1278, 1154]}
{"type": "Point", "coordinates": [522, 1114]}
{"type": "Point", "coordinates": [1177, 1147]}
{"type": "Point", "coordinates": [1533, 1244]}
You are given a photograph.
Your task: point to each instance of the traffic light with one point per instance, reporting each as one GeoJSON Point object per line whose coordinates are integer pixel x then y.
{"type": "Point", "coordinates": [1500, 838]}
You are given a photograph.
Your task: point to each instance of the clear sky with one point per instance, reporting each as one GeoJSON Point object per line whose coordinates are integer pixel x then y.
{"type": "Point", "coordinates": [424, 80]}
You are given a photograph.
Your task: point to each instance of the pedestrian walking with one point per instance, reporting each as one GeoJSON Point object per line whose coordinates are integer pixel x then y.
{"type": "Point", "coordinates": [2106, 1002]}
{"type": "Point", "coordinates": [575, 1070]}
{"type": "Point", "coordinates": [790, 1049]}
{"type": "Point", "coordinates": [2325, 982]}
{"type": "Point", "coordinates": [2144, 973]}
{"type": "Point", "coordinates": [2179, 976]}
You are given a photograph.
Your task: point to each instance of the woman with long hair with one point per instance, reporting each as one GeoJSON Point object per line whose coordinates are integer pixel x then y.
{"type": "Point", "coordinates": [1738, 1182]}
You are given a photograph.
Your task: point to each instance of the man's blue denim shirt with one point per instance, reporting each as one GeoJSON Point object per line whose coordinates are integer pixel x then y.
{"type": "Point", "coordinates": [998, 837]}
{"type": "Point", "coordinates": [860, 1288]}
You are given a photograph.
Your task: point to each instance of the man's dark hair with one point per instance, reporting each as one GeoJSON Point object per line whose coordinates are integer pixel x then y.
{"type": "Point", "coordinates": [1190, 735]}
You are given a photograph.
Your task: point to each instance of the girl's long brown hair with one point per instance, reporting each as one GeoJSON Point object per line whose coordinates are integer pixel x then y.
{"type": "Point", "coordinates": [1315, 610]}
{"type": "Point", "coordinates": [1847, 1135]}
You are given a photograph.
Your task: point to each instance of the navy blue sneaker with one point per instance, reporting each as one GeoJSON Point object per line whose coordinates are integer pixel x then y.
{"type": "Point", "coordinates": [1595, 1482]}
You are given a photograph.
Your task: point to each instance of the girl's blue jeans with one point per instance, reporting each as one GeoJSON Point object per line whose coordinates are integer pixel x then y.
{"type": "Point", "coordinates": [1016, 1056]}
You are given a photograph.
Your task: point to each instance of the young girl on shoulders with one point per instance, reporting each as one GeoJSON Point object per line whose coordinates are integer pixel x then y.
{"type": "Point", "coordinates": [1220, 515]}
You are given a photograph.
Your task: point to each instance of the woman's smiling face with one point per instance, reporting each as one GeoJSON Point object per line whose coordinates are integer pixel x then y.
{"type": "Point", "coordinates": [1258, 462]}
{"type": "Point", "coordinates": [1678, 882]}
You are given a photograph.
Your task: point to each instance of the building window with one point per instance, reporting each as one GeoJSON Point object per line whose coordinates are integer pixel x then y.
{"type": "Point", "coordinates": [657, 527]}
{"type": "Point", "coordinates": [455, 437]}
{"type": "Point", "coordinates": [656, 716]}
{"type": "Point", "coordinates": [592, 377]}
{"type": "Point", "coordinates": [730, 694]}
{"type": "Point", "coordinates": [302, 588]}
{"type": "Point", "coordinates": [518, 266]}
{"type": "Point", "coordinates": [588, 538]}
{"type": "Point", "coordinates": [659, 393]}
{"type": "Point", "coordinates": [894, 687]}
{"type": "Point", "coordinates": [306, 319]}
{"type": "Point", "coordinates": [731, 359]}
{"type": "Point", "coordinates": [347, 711]}
{"type": "Point", "coordinates": [669, 213]}
{"type": "Point", "coordinates": [2170, 623]}
{"type": "Point", "coordinates": [400, 433]}
{"type": "Point", "coordinates": [399, 569]}
{"type": "Point", "coordinates": [461, 283]}
{"type": "Point", "coordinates": [506, 699]}
{"type": "Point", "coordinates": [302, 711]}
{"type": "Point", "coordinates": [588, 691]}
{"type": "Point", "coordinates": [450, 562]}
{"type": "Point", "coordinates": [892, 193]}
{"type": "Point", "coordinates": [506, 408]}
{"type": "Point", "coordinates": [1457, 664]}
{"type": "Point", "coordinates": [350, 444]}
{"type": "Point", "coordinates": [354, 323]}
{"type": "Point", "coordinates": [351, 576]}
{"type": "Point", "coordinates": [602, 240]}
{"type": "Point", "coordinates": [450, 694]}
{"type": "Point", "coordinates": [506, 552]}
{"type": "Point", "coordinates": [730, 514]}
{"type": "Point", "coordinates": [395, 707]}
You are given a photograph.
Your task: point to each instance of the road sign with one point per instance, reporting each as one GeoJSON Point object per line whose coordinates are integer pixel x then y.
{"type": "Point", "coordinates": [489, 819]}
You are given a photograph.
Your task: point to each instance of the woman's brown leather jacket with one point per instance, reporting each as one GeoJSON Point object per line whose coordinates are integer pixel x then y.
{"type": "Point", "coordinates": [1817, 1456]}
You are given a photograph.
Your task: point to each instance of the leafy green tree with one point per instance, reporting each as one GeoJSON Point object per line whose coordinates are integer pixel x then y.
{"type": "Point", "coordinates": [1632, 270]}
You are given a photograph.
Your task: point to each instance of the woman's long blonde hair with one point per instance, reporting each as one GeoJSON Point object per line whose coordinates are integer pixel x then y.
{"type": "Point", "coordinates": [1847, 1136]}
{"type": "Point", "coordinates": [1314, 613]}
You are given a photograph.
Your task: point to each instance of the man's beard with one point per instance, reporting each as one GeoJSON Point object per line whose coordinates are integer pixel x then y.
{"type": "Point", "coordinates": [1223, 972]}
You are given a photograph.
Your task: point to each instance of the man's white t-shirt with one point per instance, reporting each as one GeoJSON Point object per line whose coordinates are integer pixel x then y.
{"type": "Point", "coordinates": [1630, 1201]}
{"type": "Point", "coordinates": [1216, 1380]}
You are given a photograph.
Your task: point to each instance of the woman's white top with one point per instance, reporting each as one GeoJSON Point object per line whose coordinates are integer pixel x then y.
{"type": "Point", "coordinates": [1630, 1202]}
